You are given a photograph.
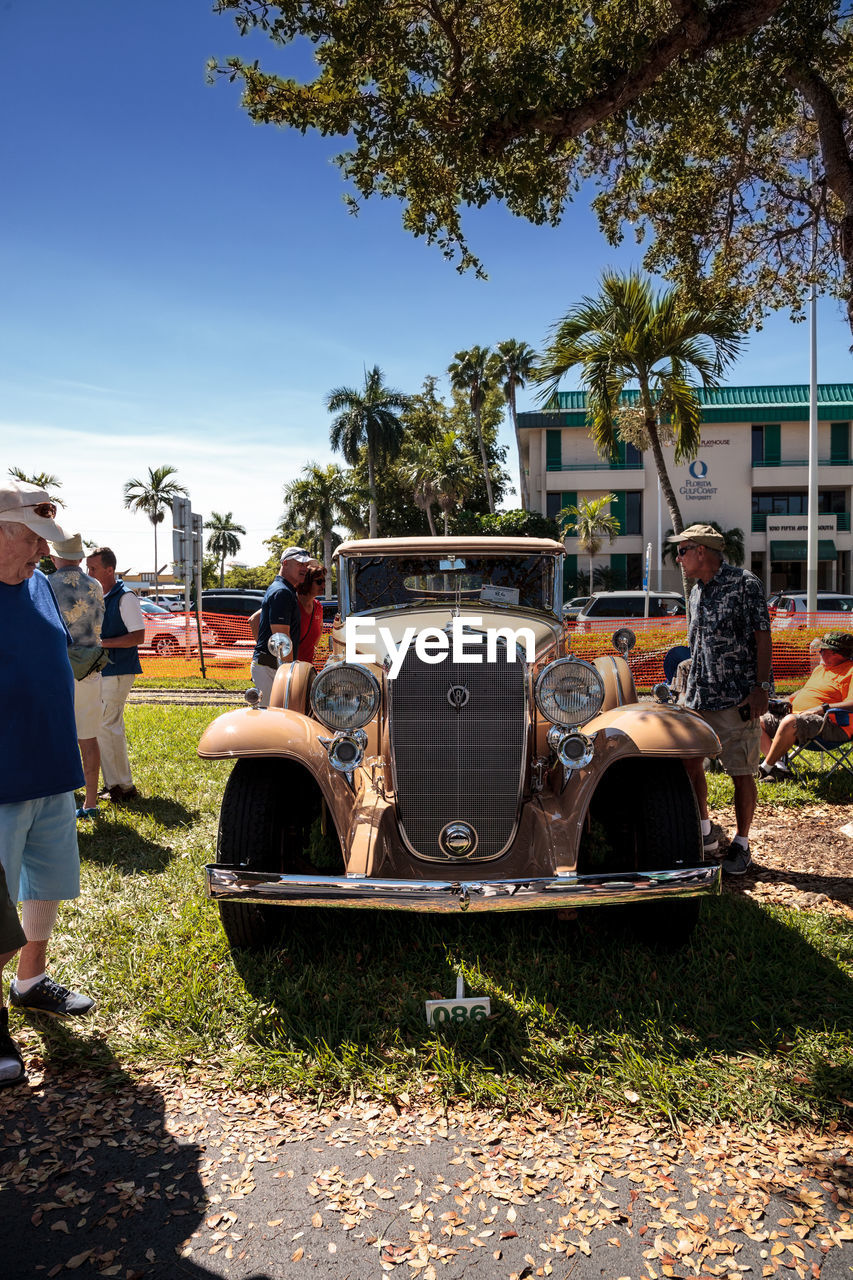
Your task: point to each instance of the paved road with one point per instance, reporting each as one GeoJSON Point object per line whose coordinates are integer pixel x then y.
{"type": "Point", "coordinates": [153, 1178]}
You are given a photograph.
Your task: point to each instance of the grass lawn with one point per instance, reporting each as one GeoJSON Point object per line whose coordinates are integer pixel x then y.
{"type": "Point", "coordinates": [751, 1022]}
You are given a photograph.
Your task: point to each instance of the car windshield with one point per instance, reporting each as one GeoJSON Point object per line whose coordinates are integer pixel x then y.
{"type": "Point", "coordinates": [147, 606]}
{"type": "Point", "coordinates": [382, 582]}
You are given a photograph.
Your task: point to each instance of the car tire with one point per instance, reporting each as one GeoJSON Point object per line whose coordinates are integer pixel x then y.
{"type": "Point", "coordinates": [266, 815]}
{"type": "Point", "coordinates": [647, 814]}
{"type": "Point", "coordinates": [670, 835]}
{"type": "Point", "coordinates": [165, 646]}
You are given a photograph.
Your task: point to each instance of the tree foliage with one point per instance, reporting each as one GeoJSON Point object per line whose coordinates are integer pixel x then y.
{"type": "Point", "coordinates": [697, 119]}
{"type": "Point", "coordinates": [154, 496]}
{"type": "Point", "coordinates": [663, 343]}
{"type": "Point", "coordinates": [223, 539]}
{"type": "Point", "coordinates": [368, 420]}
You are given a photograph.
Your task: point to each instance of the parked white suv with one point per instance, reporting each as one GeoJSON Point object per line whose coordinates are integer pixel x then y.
{"type": "Point", "coordinates": [665, 608]}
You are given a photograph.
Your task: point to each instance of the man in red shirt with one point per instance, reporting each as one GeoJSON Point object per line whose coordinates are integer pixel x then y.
{"type": "Point", "coordinates": [829, 685]}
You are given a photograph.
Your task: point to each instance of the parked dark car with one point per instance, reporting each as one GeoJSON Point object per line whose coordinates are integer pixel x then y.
{"type": "Point", "coordinates": [230, 603]}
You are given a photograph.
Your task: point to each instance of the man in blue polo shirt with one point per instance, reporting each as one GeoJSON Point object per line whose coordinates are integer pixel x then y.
{"type": "Point", "coordinates": [38, 747]}
{"type": "Point", "coordinates": [280, 612]}
{"type": "Point", "coordinates": [122, 631]}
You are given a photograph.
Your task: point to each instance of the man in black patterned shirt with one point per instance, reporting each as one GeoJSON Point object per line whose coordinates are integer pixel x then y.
{"type": "Point", "coordinates": [730, 676]}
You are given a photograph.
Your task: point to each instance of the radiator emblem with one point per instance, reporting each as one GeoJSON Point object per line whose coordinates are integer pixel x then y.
{"type": "Point", "coordinates": [458, 696]}
{"type": "Point", "coordinates": [458, 840]}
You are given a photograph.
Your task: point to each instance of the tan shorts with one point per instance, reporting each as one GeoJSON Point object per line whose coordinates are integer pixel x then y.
{"type": "Point", "coordinates": [87, 705]}
{"type": "Point", "coordinates": [740, 741]}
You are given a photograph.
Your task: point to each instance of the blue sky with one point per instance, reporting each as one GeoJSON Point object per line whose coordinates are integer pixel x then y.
{"type": "Point", "coordinates": [180, 286]}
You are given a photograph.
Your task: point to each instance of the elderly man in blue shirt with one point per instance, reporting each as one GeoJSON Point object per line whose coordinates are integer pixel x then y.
{"type": "Point", "coordinates": [38, 746]}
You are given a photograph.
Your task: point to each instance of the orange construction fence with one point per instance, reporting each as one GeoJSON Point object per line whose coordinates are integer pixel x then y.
{"type": "Point", "coordinates": [227, 644]}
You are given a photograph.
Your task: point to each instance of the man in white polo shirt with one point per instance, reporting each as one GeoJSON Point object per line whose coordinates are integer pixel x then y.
{"type": "Point", "coordinates": [122, 631]}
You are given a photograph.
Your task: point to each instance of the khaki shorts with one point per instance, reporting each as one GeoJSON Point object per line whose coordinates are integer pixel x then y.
{"type": "Point", "coordinates": [740, 741]}
{"type": "Point", "coordinates": [87, 705]}
{"type": "Point", "coordinates": [12, 935]}
{"type": "Point", "coordinates": [810, 724]}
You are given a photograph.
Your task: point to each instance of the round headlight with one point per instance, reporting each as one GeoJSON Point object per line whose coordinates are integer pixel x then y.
{"type": "Point", "coordinates": [569, 691]}
{"type": "Point", "coordinates": [345, 696]}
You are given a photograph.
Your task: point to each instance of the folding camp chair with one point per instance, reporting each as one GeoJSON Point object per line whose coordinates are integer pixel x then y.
{"type": "Point", "coordinates": [671, 659]}
{"type": "Point", "coordinates": [839, 754]}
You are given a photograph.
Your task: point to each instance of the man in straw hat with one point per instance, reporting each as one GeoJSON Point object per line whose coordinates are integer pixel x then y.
{"type": "Point", "coordinates": [81, 600]}
{"type": "Point", "coordinates": [829, 685]}
{"type": "Point", "coordinates": [38, 746]}
{"type": "Point", "coordinates": [729, 679]}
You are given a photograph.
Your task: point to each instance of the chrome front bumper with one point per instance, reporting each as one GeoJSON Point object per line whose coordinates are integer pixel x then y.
{"type": "Point", "coordinates": [236, 884]}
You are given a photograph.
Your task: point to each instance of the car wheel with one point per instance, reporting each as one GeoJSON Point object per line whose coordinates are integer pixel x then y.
{"type": "Point", "coordinates": [645, 818]}
{"type": "Point", "coordinates": [165, 646]}
{"type": "Point", "coordinates": [270, 821]}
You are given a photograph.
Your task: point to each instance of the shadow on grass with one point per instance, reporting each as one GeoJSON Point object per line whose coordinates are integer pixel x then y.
{"type": "Point", "coordinates": [567, 998]}
{"type": "Point", "coordinates": [164, 810]}
{"type": "Point", "coordinates": [116, 845]}
{"type": "Point", "coordinates": [100, 1161]}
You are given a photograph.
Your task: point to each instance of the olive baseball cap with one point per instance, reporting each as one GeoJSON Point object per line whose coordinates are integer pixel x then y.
{"type": "Point", "coordinates": [704, 535]}
{"type": "Point", "coordinates": [839, 642]}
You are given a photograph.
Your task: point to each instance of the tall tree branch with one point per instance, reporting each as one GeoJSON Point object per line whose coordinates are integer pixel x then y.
{"type": "Point", "coordinates": [697, 33]}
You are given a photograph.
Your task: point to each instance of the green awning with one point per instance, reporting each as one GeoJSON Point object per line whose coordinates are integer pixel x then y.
{"type": "Point", "coordinates": [797, 549]}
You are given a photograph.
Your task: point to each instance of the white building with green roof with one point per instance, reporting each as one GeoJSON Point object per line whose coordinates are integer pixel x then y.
{"type": "Point", "coordinates": [751, 472]}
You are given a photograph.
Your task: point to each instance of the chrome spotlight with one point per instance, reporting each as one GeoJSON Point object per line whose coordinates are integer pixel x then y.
{"type": "Point", "coordinates": [624, 640]}
{"type": "Point", "coordinates": [573, 750]}
{"type": "Point", "coordinates": [346, 750]}
{"type": "Point", "coordinates": [280, 646]}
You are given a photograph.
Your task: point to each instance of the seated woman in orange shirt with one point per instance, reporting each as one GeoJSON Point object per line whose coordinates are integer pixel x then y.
{"type": "Point", "coordinates": [313, 585]}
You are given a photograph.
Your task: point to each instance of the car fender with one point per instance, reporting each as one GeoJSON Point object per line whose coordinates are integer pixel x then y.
{"type": "Point", "coordinates": [657, 730]}
{"type": "Point", "coordinates": [292, 685]}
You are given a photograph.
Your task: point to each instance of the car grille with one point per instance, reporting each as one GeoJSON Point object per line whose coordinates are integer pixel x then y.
{"type": "Point", "coordinates": [458, 765]}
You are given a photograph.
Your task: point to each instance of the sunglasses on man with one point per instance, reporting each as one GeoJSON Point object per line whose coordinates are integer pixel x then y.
{"type": "Point", "coordinates": [685, 547]}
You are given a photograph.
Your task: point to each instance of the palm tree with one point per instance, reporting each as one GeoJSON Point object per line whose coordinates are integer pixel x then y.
{"type": "Point", "coordinates": [590, 524]}
{"type": "Point", "coordinates": [319, 500]}
{"type": "Point", "coordinates": [223, 540]}
{"type": "Point", "coordinates": [418, 470]}
{"type": "Point", "coordinates": [469, 373]}
{"type": "Point", "coordinates": [629, 334]}
{"type": "Point", "coordinates": [154, 496]}
{"type": "Point", "coordinates": [511, 365]}
{"type": "Point", "coordinates": [452, 472]}
{"type": "Point", "coordinates": [367, 420]}
{"type": "Point", "coordinates": [43, 479]}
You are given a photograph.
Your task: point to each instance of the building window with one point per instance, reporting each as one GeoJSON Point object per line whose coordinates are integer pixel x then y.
{"type": "Point", "coordinates": [553, 450]}
{"type": "Point", "coordinates": [634, 571]}
{"type": "Point", "coordinates": [767, 444]}
{"type": "Point", "coordinates": [839, 442]}
{"type": "Point", "coordinates": [554, 502]}
{"type": "Point", "coordinates": [633, 512]}
{"type": "Point", "coordinates": [831, 502]}
{"type": "Point", "coordinates": [780, 503]}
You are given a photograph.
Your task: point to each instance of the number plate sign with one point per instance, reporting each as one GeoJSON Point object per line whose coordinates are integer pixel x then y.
{"type": "Point", "coordinates": [462, 1009]}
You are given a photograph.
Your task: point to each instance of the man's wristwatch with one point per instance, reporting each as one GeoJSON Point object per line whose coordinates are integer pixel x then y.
{"type": "Point", "coordinates": [764, 684]}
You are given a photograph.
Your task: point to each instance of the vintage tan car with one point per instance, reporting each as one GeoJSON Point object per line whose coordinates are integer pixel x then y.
{"type": "Point", "coordinates": [458, 757]}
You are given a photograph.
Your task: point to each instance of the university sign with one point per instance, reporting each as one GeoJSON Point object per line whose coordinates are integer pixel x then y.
{"type": "Point", "coordinates": [697, 487]}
